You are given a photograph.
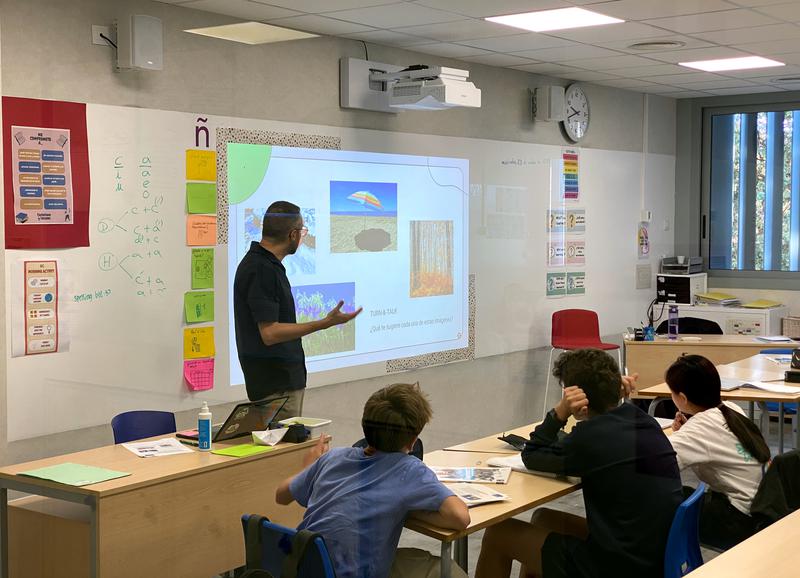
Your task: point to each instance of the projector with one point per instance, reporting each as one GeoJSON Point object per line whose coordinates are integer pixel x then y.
{"type": "Point", "coordinates": [423, 87]}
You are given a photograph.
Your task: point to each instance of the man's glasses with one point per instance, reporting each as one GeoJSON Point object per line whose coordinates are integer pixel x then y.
{"type": "Point", "coordinates": [303, 231]}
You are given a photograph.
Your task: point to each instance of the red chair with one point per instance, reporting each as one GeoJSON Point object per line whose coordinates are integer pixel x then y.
{"type": "Point", "coordinates": [575, 329]}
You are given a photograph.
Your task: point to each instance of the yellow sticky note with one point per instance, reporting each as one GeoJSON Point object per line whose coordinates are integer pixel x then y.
{"type": "Point", "coordinates": [198, 342]}
{"type": "Point", "coordinates": [201, 230]}
{"type": "Point", "coordinates": [201, 165]}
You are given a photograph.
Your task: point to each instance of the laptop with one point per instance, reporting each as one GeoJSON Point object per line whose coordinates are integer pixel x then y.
{"type": "Point", "coordinates": [244, 419]}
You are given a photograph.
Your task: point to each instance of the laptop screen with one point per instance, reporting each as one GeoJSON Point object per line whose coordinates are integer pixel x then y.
{"type": "Point", "coordinates": [245, 418]}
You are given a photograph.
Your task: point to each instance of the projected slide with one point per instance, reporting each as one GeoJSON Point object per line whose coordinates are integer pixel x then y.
{"type": "Point", "coordinates": [385, 232]}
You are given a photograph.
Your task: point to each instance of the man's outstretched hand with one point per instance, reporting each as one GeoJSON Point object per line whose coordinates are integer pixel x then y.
{"type": "Point", "coordinates": [336, 316]}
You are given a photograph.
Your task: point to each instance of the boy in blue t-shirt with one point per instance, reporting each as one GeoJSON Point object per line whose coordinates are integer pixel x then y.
{"type": "Point", "coordinates": [358, 498]}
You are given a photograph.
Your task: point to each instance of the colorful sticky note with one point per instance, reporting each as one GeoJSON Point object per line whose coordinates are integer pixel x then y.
{"type": "Point", "coordinates": [199, 373]}
{"type": "Point", "coordinates": [242, 450]}
{"type": "Point", "coordinates": [201, 230]}
{"type": "Point", "coordinates": [198, 342]}
{"type": "Point", "coordinates": [198, 306]}
{"type": "Point", "coordinates": [201, 197]}
{"type": "Point", "coordinates": [201, 165]}
{"type": "Point", "coordinates": [202, 268]}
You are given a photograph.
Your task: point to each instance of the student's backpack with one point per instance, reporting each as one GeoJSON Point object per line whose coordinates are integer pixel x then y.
{"type": "Point", "coordinates": [779, 491]}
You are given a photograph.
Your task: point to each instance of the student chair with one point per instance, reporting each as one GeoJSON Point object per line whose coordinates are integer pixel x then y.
{"type": "Point", "coordinates": [682, 554]}
{"type": "Point", "coordinates": [135, 425]}
{"type": "Point", "coordinates": [283, 551]}
{"type": "Point", "coordinates": [575, 329]}
{"type": "Point", "coordinates": [772, 407]}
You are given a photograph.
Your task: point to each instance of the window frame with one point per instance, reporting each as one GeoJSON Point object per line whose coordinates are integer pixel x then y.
{"type": "Point", "coordinates": [738, 278]}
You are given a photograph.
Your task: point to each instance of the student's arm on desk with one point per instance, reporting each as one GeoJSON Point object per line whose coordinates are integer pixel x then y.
{"type": "Point", "coordinates": [283, 495]}
{"type": "Point", "coordinates": [453, 515]}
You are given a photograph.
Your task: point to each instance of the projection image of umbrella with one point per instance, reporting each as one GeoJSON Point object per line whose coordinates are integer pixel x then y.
{"type": "Point", "coordinates": [366, 199]}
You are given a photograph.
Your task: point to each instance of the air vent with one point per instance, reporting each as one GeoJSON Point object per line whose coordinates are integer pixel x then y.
{"type": "Point", "coordinates": [657, 45]}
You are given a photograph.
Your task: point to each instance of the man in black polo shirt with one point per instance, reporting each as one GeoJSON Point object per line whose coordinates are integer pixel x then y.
{"type": "Point", "coordinates": [268, 337]}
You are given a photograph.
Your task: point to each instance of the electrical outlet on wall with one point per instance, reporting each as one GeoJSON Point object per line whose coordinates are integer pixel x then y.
{"type": "Point", "coordinates": [105, 31]}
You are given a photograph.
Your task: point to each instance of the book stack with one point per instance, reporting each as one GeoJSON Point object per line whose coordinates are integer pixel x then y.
{"type": "Point", "coordinates": [717, 298]}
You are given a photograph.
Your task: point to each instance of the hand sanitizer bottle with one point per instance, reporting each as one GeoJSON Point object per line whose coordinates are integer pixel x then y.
{"type": "Point", "coordinates": [204, 428]}
{"type": "Point", "coordinates": [672, 322]}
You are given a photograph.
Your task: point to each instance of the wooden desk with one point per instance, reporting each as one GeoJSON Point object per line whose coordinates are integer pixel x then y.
{"type": "Point", "coordinates": [768, 553]}
{"type": "Point", "coordinates": [493, 445]}
{"type": "Point", "coordinates": [138, 523]}
{"type": "Point", "coordinates": [650, 359]}
{"type": "Point", "coordinates": [525, 490]}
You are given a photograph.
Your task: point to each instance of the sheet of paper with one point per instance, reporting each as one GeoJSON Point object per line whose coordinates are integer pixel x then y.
{"type": "Point", "coordinates": [201, 165]}
{"type": "Point", "coordinates": [162, 447]}
{"type": "Point", "coordinates": [198, 306]}
{"type": "Point", "coordinates": [199, 373]}
{"type": "Point", "coordinates": [201, 197]}
{"type": "Point", "coordinates": [198, 342]}
{"type": "Point", "coordinates": [202, 268]}
{"type": "Point", "coordinates": [201, 230]}
{"type": "Point", "coordinates": [75, 474]}
{"type": "Point", "coordinates": [242, 450]}
{"type": "Point", "coordinates": [474, 494]}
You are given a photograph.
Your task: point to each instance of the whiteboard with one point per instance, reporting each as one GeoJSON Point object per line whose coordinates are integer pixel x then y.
{"type": "Point", "coordinates": [126, 341]}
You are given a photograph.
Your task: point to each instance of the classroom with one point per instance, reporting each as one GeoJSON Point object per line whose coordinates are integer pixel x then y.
{"type": "Point", "coordinates": [247, 212]}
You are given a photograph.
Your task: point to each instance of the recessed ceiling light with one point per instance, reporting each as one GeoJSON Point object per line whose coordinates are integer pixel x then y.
{"type": "Point", "coordinates": [658, 45]}
{"type": "Point", "coordinates": [560, 19]}
{"type": "Point", "coordinates": [251, 33]}
{"type": "Point", "coordinates": [741, 63]}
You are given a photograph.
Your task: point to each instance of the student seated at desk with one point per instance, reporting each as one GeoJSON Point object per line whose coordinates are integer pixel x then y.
{"type": "Point", "coordinates": [721, 446]}
{"type": "Point", "coordinates": [631, 485]}
{"type": "Point", "coordinates": [358, 498]}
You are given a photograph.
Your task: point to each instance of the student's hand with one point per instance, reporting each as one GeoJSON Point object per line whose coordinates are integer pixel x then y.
{"type": "Point", "coordinates": [679, 420]}
{"type": "Point", "coordinates": [336, 316]}
{"type": "Point", "coordinates": [629, 385]}
{"type": "Point", "coordinates": [322, 447]}
{"type": "Point", "coordinates": [574, 402]}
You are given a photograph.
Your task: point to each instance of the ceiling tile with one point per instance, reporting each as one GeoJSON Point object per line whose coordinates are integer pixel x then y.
{"type": "Point", "coordinates": [716, 84]}
{"type": "Point", "coordinates": [789, 57]}
{"type": "Point", "coordinates": [497, 59]}
{"type": "Point", "coordinates": [572, 52]}
{"type": "Point", "coordinates": [241, 9]}
{"type": "Point", "coordinates": [750, 3]}
{"type": "Point", "coordinates": [626, 83]}
{"type": "Point", "coordinates": [659, 89]}
{"type": "Point", "coordinates": [694, 55]}
{"type": "Point", "coordinates": [395, 15]}
{"type": "Point", "coordinates": [173, 1]}
{"type": "Point", "coordinates": [587, 75]}
{"type": "Point", "coordinates": [483, 8]}
{"type": "Point", "coordinates": [678, 79]}
{"type": "Point", "coordinates": [450, 50]}
{"type": "Point", "coordinates": [760, 74]}
{"type": "Point", "coordinates": [610, 63]}
{"type": "Point", "coordinates": [655, 70]}
{"type": "Point", "coordinates": [754, 34]}
{"type": "Point", "coordinates": [320, 25]}
{"type": "Point", "coordinates": [317, 6]}
{"type": "Point", "coordinates": [623, 45]}
{"type": "Point", "coordinates": [517, 42]}
{"type": "Point", "coordinates": [686, 94]}
{"type": "Point", "coordinates": [609, 33]}
{"type": "Point", "coordinates": [389, 37]}
{"type": "Point", "coordinates": [468, 29]}
{"type": "Point", "coordinates": [644, 9]}
{"type": "Point", "coordinates": [771, 48]}
{"type": "Point", "coordinates": [726, 20]}
{"type": "Point", "coordinates": [750, 90]}
{"type": "Point", "coordinates": [789, 12]}
{"type": "Point", "coordinates": [547, 68]}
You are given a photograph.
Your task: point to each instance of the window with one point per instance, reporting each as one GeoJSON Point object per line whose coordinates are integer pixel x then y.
{"type": "Point", "coordinates": [754, 190]}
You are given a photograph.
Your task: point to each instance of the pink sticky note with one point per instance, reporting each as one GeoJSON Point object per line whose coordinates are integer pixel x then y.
{"type": "Point", "coordinates": [201, 230]}
{"type": "Point", "coordinates": [199, 373]}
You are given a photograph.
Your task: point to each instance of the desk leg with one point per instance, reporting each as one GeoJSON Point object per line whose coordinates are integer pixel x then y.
{"type": "Point", "coordinates": [94, 559]}
{"type": "Point", "coordinates": [446, 560]}
{"type": "Point", "coordinates": [751, 410]}
{"type": "Point", "coordinates": [460, 552]}
{"type": "Point", "coordinates": [3, 532]}
{"type": "Point", "coordinates": [780, 427]}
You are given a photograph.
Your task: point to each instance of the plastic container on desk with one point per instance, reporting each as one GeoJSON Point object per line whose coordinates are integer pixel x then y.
{"type": "Point", "coordinates": [317, 426]}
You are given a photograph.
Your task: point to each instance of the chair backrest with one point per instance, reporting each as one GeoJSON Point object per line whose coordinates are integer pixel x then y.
{"type": "Point", "coordinates": [682, 554]}
{"type": "Point", "coordinates": [574, 325]}
{"type": "Point", "coordinates": [135, 425]}
{"type": "Point", "coordinates": [777, 351]}
{"type": "Point", "coordinates": [416, 450]}
{"type": "Point", "coordinates": [276, 545]}
{"type": "Point", "coordinates": [692, 325]}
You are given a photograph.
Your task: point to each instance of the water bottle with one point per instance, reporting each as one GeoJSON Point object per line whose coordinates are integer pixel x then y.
{"type": "Point", "coordinates": [204, 428]}
{"type": "Point", "coordinates": [672, 324]}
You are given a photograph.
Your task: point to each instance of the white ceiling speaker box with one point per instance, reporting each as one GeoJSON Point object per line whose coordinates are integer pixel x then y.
{"type": "Point", "coordinates": [140, 43]}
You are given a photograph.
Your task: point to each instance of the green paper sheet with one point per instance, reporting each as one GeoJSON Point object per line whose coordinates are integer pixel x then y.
{"type": "Point", "coordinates": [242, 450]}
{"type": "Point", "coordinates": [198, 306]}
{"type": "Point", "coordinates": [75, 474]}
{"type": "Point", "coordinates": [201, 197]}
{"type": "Point", "coordinates": [202, 268]}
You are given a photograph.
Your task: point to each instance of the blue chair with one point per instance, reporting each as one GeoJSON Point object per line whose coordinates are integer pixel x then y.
{"type": "Point", "coordinates": [683, 544]}
{"type": "Point", "coordinates": [276, 543]}
{"type": "Point", "coordinates": [135, 425]}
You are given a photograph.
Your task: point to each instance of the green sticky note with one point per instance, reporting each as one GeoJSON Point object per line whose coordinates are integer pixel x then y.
{"type": "Point", "coordinates": [242, 450]}
{"type": "Point", "coordinates": [75, 474]}
{"type": "Point", "coordinates": [201, 197]}
{"type": "Point", "coordinates": [202, 268]}
{"type": "Point", "coordinates": [198, 306]}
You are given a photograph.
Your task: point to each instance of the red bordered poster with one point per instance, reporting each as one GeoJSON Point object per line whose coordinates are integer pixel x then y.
{"type": "Point", "coordinates": [46, 174]}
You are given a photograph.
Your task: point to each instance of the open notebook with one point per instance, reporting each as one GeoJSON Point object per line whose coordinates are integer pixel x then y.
{"type": "Point", "coordinates": [729, 384]}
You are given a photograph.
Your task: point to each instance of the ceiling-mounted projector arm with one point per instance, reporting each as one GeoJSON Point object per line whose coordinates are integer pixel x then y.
{"type": "Point", "coordinates": [421, 72]}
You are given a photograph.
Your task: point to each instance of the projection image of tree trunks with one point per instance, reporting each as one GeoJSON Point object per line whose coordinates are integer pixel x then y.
{"type": "Point", "coordinates": [431, 258]}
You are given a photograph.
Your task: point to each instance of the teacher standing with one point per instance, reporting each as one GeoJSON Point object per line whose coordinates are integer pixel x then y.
{"type": "Point", "coordinates": [268, 337]}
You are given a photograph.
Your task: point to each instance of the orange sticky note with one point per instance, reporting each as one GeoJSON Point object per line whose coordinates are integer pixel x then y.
{"type": "Point", "coordinates": [201, 230]}
{"type": "Point", "coordinates": [201, 165]}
